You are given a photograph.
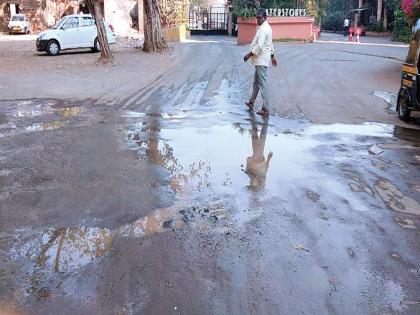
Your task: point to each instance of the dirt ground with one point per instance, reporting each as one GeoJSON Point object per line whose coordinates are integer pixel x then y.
{"type": "Point", "coordinates": [146, 187]}
{"type": "Point", "coordinates": [321, 81]}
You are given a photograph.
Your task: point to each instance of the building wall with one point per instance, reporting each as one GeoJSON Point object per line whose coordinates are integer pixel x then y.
{"type": "Point", "coordinates": [117, 13]}
{"type": "Point", "coordinates": [300, 28]}
{"type": "Point", "coordinates": [41, 13]}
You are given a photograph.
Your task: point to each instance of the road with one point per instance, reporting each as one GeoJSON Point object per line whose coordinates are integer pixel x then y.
{"type": "Point", "coordinates": [148, 188]}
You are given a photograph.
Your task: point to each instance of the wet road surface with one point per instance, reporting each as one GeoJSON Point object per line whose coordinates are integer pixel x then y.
{"type": "Point", "coordinates": [178, 200]}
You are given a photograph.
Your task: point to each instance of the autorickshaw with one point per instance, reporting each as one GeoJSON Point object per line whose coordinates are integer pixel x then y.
{"type": "Point", "coordinates": [409, 93]}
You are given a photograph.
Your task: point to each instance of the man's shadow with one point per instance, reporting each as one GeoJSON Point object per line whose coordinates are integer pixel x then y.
{"type": "Point", "coordinates": [256, 164]}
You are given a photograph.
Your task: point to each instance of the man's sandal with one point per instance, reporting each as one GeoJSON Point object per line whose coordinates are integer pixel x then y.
{"type": "Point", "coordinates": [263, 112]}
{"type": "Point", "coordinates": [250, 105]}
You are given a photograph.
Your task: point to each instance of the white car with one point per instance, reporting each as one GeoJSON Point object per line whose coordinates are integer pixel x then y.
{"type": "Point", "coordinates": [19, 23]}
{"type": "Point", "coordinates": [72, 31]}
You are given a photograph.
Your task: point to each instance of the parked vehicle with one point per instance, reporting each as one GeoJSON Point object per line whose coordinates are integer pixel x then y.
{"type": "Point", "coordinates": [72, 31]}
{"type": "Point", "coordinates": [19, 23]}
{"type": "Point", "coordinates": [409, 93]}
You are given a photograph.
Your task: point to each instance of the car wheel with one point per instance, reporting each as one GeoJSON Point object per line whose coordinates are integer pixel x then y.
{"type": "Point", "coordinates": [96, 46]}
{"type": "Point", "coordinates": [53, 48]}
{"type": "Point", "coordinates": [402, 108]}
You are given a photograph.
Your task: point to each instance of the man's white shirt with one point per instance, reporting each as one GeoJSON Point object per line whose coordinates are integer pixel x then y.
{"type": "Point", "coordinates": [262, 46]}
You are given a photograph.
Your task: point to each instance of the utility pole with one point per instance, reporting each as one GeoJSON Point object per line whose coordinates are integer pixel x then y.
{"type": "Point", "coordinates": [357, 15]}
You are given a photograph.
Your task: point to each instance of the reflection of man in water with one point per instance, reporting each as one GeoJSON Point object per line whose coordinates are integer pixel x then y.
{"type": "Point", "coordinates": [256, 164]}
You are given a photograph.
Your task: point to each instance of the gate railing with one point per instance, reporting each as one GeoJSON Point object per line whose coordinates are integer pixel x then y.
{"type": "Point", "coordinates": [213, 21]}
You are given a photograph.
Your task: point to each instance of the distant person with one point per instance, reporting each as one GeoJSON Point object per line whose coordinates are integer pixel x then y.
{"type": "Point", "coordinates": [346, 27]}
{"type": "Point", "coordinates": [257, 165]}
{"type": "Point", "coordinates": [262, 51]}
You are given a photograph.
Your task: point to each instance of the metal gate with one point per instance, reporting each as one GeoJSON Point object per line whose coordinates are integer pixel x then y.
{"type": "Point", "coordinates": [208, 22]}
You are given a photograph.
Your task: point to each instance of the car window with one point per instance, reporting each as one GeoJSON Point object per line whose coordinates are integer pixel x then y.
{"type": "Point", "coordinates": [56, 25]}
{"type": "Point", "coordinates": [17, 18]}
{"type": "Point", "coordinates": [71, 22]}
{"type": "Point", "coordinates": [87, 21]}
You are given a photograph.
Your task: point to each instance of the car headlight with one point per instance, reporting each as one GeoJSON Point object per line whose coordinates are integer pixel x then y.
{"type": "Point", "coordinates": [41, 37]}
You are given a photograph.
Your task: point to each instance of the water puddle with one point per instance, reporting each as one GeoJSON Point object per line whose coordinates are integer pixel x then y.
{"type": "Point", "coordinates": [132, 114]}
{"type": "Point", "coordinates": [24, 112]}
{"type": "Point", "coordinates": [212, 146]}
{"type": "Point", "coordinates": [70, 111]}
{"type": "Point", "coordinates": [46, 126]}
{"type": "Point", "coordinates": [365, 129]}
{"type": "Point", "coordinates": [396, 296]}
{"type": "Point", "coordinates": [36, 108]}
{"type": "Point", "coordinates": [200, 158]}
{"type": "Point", "coordinates": [29, 113]}
{"type": "Point", "coordinates": [388, 97]}
{"type": "Point", "coordinates": [66, 250]}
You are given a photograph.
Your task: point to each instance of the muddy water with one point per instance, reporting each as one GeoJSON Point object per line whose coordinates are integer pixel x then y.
{"type": "Point", "coordinates": [297, 209]}
{"type": "Point", "coordinates": [389, 97]}
{"type": "Point", "coordinates": [215, 149]}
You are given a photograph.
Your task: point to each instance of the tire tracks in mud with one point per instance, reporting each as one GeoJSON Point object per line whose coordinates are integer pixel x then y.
{"type": "Point", "coordinates": [170, 78]}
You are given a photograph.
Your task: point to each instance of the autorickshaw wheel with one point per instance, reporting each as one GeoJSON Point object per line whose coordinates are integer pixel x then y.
{"type": "Point", "coordinates": [402, 109]}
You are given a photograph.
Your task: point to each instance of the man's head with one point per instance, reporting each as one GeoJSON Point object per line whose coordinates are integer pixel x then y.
{"type": "Point", "coordinates": [261, 16]}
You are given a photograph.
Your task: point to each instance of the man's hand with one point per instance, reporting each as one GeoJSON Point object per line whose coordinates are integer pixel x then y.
{"type": "Point", "coordinates": [247, 56]}
{"type": "Point", "coordinates": [273, 61]}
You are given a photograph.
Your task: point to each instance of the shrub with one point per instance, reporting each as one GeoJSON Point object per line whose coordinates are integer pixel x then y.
{"type": "Point", "coordinates": [245, 8]}
{"type": "Point", "coordinates": [375, 27]}
{"type": "Point", "coordinates": [334, 22]}
{"type": "Point", "coordinates": [401, 30]}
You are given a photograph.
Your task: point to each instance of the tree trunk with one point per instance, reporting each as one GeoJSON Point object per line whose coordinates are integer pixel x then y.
{"type": "Point", "coordinates": [357, 15]}
{"type": "Point", "coordinates": [379, 11]}
{"type": "Point", "coordinates": [95, 10]}
{"type": "Point", "coordinates": [385, 19]}
{"type": "Point", "coordinates": [154, 40]}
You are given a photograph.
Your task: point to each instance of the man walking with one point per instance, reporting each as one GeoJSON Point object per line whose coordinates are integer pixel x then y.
{"type": "Point", "coordinates": [261, 52]}
{"type": "Point", "coordinates": [346, 27]}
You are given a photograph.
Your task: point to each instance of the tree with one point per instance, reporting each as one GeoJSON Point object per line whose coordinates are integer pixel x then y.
{"type": "Point", "coordinates": [95, 10]}
{"type": "Point", "coordinates": [379, 11]}
{"type": "Point", "coordinates": [154, 40]}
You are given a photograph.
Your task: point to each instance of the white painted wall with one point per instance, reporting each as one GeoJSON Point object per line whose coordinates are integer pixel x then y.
{"type": "Point", "coordinates": [117, 13]}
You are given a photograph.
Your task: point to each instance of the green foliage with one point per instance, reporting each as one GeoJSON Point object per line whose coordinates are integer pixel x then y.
{"type": "Point", "coordinates": [343, 6]}
{"type": "Point", "coordinates": [401, 31]}
{"type": "Point", "coordinates": [248, 8]}
{"type": "Point", "coordinates": [203, 4]}
{"type": "Point", "coordinates": [393, 4]}
{"type": "Point", "coordinates": [334, 22]}
{"type": "Point", "coordinates": [375, 27]}
{"type": "Point", "coordinates": [246, 12]}
{"type": "Point", "coordinates": [245, 8]}
{"type": "Point", "coordinates": [335, 13]}
{"type": "Point", "coordinates": [172, 12]}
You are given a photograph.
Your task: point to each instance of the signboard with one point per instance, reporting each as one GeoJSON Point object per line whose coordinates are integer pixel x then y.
{"type": "Point", "coordinates": [286, 12]}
